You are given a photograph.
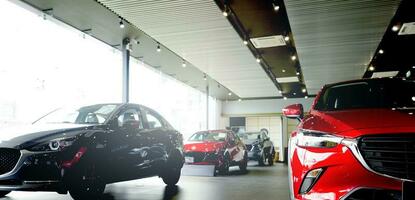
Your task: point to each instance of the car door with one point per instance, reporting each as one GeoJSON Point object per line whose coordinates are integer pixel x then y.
{"type": "Point", "coordinates": [157, 134]}
{"type": "Point", "coordinates": [235, 149]}
{"type": "Point", "coordinates": [127, 150]}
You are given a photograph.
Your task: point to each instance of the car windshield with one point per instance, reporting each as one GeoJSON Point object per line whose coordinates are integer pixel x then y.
{"type": "Point", "coordinates": [249, 136]}
{"type": "Point", "coordinates": [209, 136]}
{"type": "Point", "coordinates": [392, 93]}
{"type": "Point", "coordinates": [94, 114]}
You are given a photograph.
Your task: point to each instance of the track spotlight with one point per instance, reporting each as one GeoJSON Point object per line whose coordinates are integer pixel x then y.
{"type": "Point", "coordinates": [158, 47]}
{"type": "Point", "coordinates": [184, 64]}
{"type": "Point", "coordinates": [381, 51]}
{"type": "Point", "coordinates": [395, 28]}
{"type": "Point", "coordinates": [204, 77]}
{"type": "Point", "coordinates": [122, 23]}
{"type": "Point", "coordinates": [258, 60]}
{"type": "Point", "coordinates": [276, 7]}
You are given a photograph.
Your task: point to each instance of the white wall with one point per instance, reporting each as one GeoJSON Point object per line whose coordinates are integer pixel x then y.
{"type": "Point", "coordinates": [261, 106]}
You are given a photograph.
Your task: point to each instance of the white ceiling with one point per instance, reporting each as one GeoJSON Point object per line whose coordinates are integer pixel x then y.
{"type": "Point", "coordinates": [197, 31]}
{"type": "Point", "coordinates": [336, 39]}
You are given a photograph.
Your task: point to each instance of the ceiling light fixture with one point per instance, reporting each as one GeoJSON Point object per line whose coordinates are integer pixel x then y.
{"type": "Point", "coordinates": [204, 77]}
{"type": "Point", "coordinates": [276, 7]}
{"type": "Point", "coordinates": [184, 64]}
{"type": "Point", "coordinates": [287, 38]}
{"type": "Point", "coordinates": [230, 94]}
{"type": "Point", "coordinates": [285, 98]}
{"type": "Point", "coordinates": [279, 91]}
{"type": "Point", "coordinates": [258, 60]}
{"type": "Point", "coordinates": [297, 73]}
{"type": "Point", "coordinates": [371, 68]}
{"type": "Point", "coordinates": [294, 93]}
{"type": "Point", "coordinates": [239, 100]}
{"type": "Point", "coordinates": [283, 70]}
{"type": "Point", "coordinates": [395, 28]}
{"type": "Point", "coordinates": [245, 42]}
{"type": "Point", "coordinates": [293, 57]}
{"type": "Point", "coordinates": [306, 97]}
{"type": "Point", "coordinates": [381, 51]}
{"type": "Point", "coordinates": [122, 23]}
{"type": "Point", "coordinates": [158, 47]}
{"type": "Point", "coordinates": [304, 90]}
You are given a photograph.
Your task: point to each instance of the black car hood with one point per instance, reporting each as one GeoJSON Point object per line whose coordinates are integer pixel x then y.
{"type": "Point", "coordinates": [22, 136]}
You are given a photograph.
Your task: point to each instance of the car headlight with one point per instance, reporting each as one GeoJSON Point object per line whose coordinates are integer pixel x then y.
{"type": "Point", "coordinates": [307, 138]}
{"type": "Point", "coordinates": [57, 144]}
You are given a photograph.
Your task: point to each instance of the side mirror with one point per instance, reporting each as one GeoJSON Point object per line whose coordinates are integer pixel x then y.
{"type": "Point", "coordinates": [295, 111]}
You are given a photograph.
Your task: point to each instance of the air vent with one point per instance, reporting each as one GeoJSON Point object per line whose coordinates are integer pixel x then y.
{"type": "Point", "coordinates": [407, 29]}
{"type": "Point", "coordinates": [269, 41]}
{"type": "Point", "coordinates": [384, 74]}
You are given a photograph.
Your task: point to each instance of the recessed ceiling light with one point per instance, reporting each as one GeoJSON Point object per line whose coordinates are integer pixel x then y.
{"type": "Point", "coordinates": [276, 7]}
{"type": "Point", "coordinates": [297, 73]}
{"type": "Point", "coordinates": [304, 90]}
{"type": "Point", "coordinates": [287, 38]}
{"type": "Point", "coordinates": [204, 77]}
{"type": "Point", "coordinates": [285, 98]}
{"type": "Point", "coordinates": [230, 94]}
{"type": "Point", "coordinates": [184, 64]}
{"type": "Point", "coordinates": [245, 42]}
{"type": "Point", "coordinates": [287, 79]}
{"type": "Point", "coordinates": [306, 97]}
{"type": "Point", "coordinates": [413, 98]}
{"type": "Point", "coordinates": [395, 28]}
{"type": "Point", "coordinates": [381, 51]}
{"type": "Point", "coordinates": [158, 48]}
{"type": "Point", "coordinates": [225, 13]}
{"type": "Point", "coordinates": [371, 68]}
{"type": "Point", "coordinates": [294, 93]}
{"type": "Point", "coordinates": [258, 60]}
{"type": "Point", "coordinates": [279, 91]}
{"type": "Point", "coordinates": [293, 57]}
{"type": "Point", "coordinates": [239, 99]}
{"type": "Point", "coordinates": [283, 70]}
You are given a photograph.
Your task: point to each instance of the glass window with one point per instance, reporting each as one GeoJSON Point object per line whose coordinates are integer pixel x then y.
{"type": "Point", "coordinates": [130, 118]}
{"type": "Point", "coordinates": [153, 121]}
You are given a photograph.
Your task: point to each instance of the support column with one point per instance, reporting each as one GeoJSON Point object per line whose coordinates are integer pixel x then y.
{"type": "Point", "coordinates": [207, 107]}
{"type": "Point", "coordinates": [125, 70]}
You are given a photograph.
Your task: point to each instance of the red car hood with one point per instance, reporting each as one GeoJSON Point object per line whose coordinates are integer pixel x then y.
{"type": "Point", "coordinates": [203, 146]}
{"type": "Point", "coordinates": [352, 123]}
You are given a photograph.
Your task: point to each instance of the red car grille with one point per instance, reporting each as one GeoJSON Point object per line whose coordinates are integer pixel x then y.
{"type": "Point", "coordinates": [202, 156]}
{"type": "Point", "coordinates": [392, 155]}
{"type": "Point", "coordinates": [8, 159]}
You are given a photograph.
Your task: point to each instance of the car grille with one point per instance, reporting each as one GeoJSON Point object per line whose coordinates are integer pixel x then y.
{"type": "Point", "coordinates": [8, 159]}
{"type": "Point", "coordinates": [392, 155]}
{"type": "Point", "coordinates": [202, 156]}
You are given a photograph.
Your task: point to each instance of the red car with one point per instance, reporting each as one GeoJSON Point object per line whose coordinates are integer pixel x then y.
{"type": "Point", "coordinates": [221, 148]}
{"type": "Point", "coordinates": [357, 142]}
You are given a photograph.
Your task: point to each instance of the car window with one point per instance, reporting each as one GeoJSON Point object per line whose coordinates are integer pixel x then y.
{"type": "Point", "coordinates": [153, 120]}
{"type": "Point", "coordinates": [130, 118]}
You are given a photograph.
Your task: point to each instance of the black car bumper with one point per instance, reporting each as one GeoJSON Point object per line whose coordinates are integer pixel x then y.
{"type": "Point", "coordinates": [31, 171]}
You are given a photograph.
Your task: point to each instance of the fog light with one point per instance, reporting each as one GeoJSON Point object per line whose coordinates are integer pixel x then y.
{"type": "Point", "coordinates": [310, 179]}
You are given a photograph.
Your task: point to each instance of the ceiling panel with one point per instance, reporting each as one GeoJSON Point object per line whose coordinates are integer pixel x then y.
{"type": "Point", "coordinates": [336, 39]}
{"type": "Point", "coordinates": [197, 31]}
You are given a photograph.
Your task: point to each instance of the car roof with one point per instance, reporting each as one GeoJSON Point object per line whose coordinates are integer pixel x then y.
{"type": "Point", "coordinates": [367, 80]}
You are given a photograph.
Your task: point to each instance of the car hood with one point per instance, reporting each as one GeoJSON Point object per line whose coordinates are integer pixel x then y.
{"type": "Point", "coordinates": [22, 136]}
{"type": "Point", "coordinates": [203, 146]}
{"type": "Point", "coordinates": [348, 121]}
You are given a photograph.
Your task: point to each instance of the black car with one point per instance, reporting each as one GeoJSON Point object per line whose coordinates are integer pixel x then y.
{"type": "Point", "coordinates": [80, 150]}
{"type": "Point", "coordinates": [259, 147]}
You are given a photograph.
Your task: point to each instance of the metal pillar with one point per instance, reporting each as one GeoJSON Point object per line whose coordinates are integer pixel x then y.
{"type": "Point", "coordinates": [125, 70]}
{"type": "Point", "coordinates": [207, 107]}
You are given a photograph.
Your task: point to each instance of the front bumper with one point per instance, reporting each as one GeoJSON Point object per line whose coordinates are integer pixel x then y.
{"type": "Point", "coordinates": [34, 171]}
{"type": "Point", "coordinates": [203, 158]}
{"type": "Point", "coordinates": [342, 177]}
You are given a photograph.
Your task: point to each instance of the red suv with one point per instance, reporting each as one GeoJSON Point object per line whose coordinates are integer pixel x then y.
{"type": "Point", "coordinates": [357, 142]}
{"type": "Point", "coordinates": [221, 148]}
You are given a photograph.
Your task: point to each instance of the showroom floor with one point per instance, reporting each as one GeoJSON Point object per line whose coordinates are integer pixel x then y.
{"type": "Point", "coordinates": [258, 183]}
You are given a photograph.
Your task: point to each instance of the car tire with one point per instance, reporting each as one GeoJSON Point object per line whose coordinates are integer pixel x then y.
{"type": "Point", "coordinates": [271, 159]}
{"type": "Point", "coordinates": [4, 193]}
{"type": "Point", "coordinates": [172, 172]}
{"type": "Point", "coordinates": [224, 169]}
{"type": "Point", "coordinates": [244, 163]}
{"type": "Point", "coordinates": [261, 160]}
{"type": "Point", "coordinates": [91, 188]}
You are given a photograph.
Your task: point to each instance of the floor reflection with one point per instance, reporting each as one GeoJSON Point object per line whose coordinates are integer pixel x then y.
{"type": "Point", "coordinates": [257, 183]}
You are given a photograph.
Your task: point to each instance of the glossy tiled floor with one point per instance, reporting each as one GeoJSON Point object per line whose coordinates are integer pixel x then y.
{"type": "Point", "coordinates": [258, 184]}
